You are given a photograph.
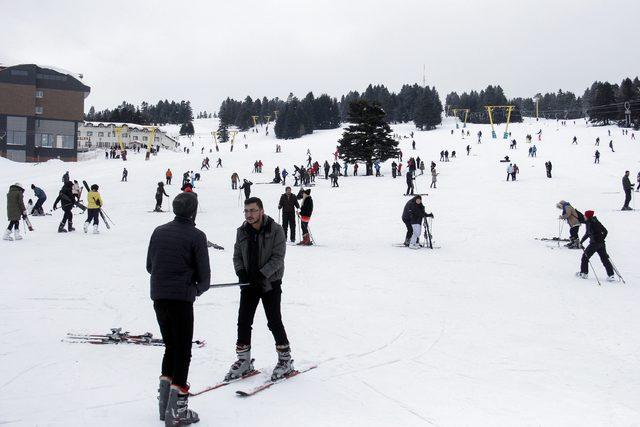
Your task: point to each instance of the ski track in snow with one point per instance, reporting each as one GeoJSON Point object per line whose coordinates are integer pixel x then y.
{"type": "Point", "coordinates": [491, 329]}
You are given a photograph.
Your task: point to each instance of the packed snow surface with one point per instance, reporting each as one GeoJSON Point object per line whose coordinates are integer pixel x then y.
{"type": "Point", "coordinates": [492, 329]}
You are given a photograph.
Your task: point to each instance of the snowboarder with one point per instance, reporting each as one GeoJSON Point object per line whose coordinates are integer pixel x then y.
{"type": "Point", "coordinates": [178, 261]}
{"type": "Point", "coordinates": [574, 218]}
{"type": "Point", "coordinates": [159, 194]}
{"type": "Point", "coordinates": [611, 146]}
{"type": "Point", "coordinates": [168, 176]}
{"type": "Point", "coordinates": [413, 144]}
{"type": "Point", "coordinates": [305, 212]}
{"type": "Point", "coordinates": [234, 180]}
{"type": "Point", "coordinates": [596, 157]}
{"type": "Point", "coordinates": [434, 177]}
{"type": "Point", "coordinates": [67, 201]}
{"type": "Point", "coordinates": [597, 233]}
{"type": "Point", "coordinates": [15, 211]}
{"type": "Point", "coordinates": [326, 169]}
{"type": "Point", "coordinates": [597, 141]}
{"type": "Point", "coordinates": [575, 140]}
{"type": "Point", "coordinates": [276, 178]}
{"type": "Point", "coordinates": [246, 186]}
{"type": "Point", "coordinates": [548, 166]}
{"type": "Point", "coordinates": [125, 173]}
{"type": "Point", "coordinates": [289, 203]}
{"type": "Point", "coordinates": [94, 204]}
{"type": "Point", "coordinates": [258, 259]}
{"type": "Point", "coordinates": [627, 186]}
{"type": "Point", "coordinates": [42, 197]}
{"type": "Point", "coordinates": [468, 149]}
{"type": "Point", "coordinates": [219, 163]}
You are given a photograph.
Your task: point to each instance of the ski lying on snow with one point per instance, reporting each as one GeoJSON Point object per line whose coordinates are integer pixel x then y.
{"type": "Point", "coordinates": [270, 383]}
{"type": "Point", "coordinates": [224, 383]}
{"type": "Point", "coordinates": [552, 239]}
{"type": "Point", "coordinates": [417, 194]}
{"type": "Point", "coordinates": [401, 245]}
{"type": "Point", "coordinates": [118, 337]}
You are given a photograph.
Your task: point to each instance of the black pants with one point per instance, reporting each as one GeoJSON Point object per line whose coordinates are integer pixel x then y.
{"type": "Point", "coordinates": [305, 227]}
{"type": "Point", "coordinates": [175, 319]}
{"type": "Point", "coordinates": [409, 188]}
{"type": "Point", "coordinates": [93, 214]}
{"type": "Point", "coordinates": [68, 216]}
{"type": "Point", "coordinates": [247, 193]}
{"type": "Point", "coordinates": [289, 221]}
{"type": "Point", "coordinates": [38, 206]}
{"type": "Point", "coordinates": [249, 299]}
{"type": "Point", "coordinates": [573, 232]}
{"type": "Point", "coordinates": [601, 249]}
{"type": "Point", "coordinates": [158, 203]}
{"type": "Point", "coordinates": [409, 231]}
{"type": "Point", "coordinates": [168, 181]}
{"type": "Point", "coordinates": [627, 198]}
{"type": "Point", "coordinates": [13, 224]}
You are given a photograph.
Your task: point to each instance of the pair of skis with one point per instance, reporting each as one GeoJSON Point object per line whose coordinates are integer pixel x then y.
{"type": "Point", "coordinates": [257, 389]}
{"type": "Point", "coordinates": [118, 337]}
{"type": "Point", "coordinates": [105, 217]}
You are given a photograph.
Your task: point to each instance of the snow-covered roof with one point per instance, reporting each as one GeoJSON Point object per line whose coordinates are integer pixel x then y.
{"type": "Point", "coordinates": [129, 125]}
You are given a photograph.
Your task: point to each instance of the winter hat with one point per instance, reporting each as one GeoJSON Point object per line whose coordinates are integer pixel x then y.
{"type": "Point", "coordinates": [185, 205]}
{"type": "Point", "coordinates": [94, 187]}
{"type": "Point", "coordinates": [588, 214]}
{"type": "Point", "coordinates": [307, 191]}
{"type": "Point", "coordinates": [17, 184]}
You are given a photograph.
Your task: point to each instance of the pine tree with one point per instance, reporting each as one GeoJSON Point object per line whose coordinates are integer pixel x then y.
{"type": "Point", "coordinates": [368, 137]}
{"type": "Point", "coordinates": [223, 131]}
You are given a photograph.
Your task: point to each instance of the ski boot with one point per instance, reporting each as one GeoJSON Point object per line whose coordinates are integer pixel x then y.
{"type": "Point", "coordinates": [16, 234]}
{"type": "Point", "coordinates": [284, 367]}
{"type": "Point", "coordinates": [7, 235]}
{"type": "Point", "coordinates": [178, 413]}
{"type": "Point", "coordinates": [582, 275]}
{"type": "Point", "coordinates": [61, 228]}
{"type": "Point", "coordinates": [70, 226]}
{"type": "Point", "coordinates": [85, 227]}
{"type": "Point", "coordinates": [611, 278]}
{"type": "Point", "coordinates": [242, 366]}
{"type": "Point", "coordinates": [95, 229]}
{"type": "Point", "coordinates": [163, 395]}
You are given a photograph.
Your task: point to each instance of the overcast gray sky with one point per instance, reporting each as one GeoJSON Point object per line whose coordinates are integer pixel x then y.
{"type": "Point", "coordinates": [204, 51]}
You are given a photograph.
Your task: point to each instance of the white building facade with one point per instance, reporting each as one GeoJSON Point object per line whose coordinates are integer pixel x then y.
{"type": "Point", "coordinates": [92, 135]}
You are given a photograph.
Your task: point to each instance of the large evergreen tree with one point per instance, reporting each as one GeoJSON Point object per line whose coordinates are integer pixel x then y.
{"type": "Point", "coordinates": [223, 131]}
{"type": "Point", "coordinates": [368, 137]}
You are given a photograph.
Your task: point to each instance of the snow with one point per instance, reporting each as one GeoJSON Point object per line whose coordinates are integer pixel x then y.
{"type": "Point", "coordinates": [491, 329]}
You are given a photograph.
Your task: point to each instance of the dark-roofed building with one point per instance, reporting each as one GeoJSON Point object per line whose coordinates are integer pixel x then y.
{"type": "Point", "coordinates": [40, 109]}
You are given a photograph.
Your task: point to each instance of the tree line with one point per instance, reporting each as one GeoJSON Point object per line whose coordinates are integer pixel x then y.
{"type": "Point", "coordinates": [602, 103]}
{"type": "Point", "coordinates": [146, 114]}
{"type": "Point", "coordinates": [297, 117]}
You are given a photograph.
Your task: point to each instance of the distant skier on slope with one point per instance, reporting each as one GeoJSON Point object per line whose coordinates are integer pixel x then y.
{"type": "Point", "coordinates": [159, 194]}
{"type": "Point", "coordinates": [574, 218]}
{"type": "Point", "coordinates": [15, 211]}
{"type": "Point", "coordinates": [94, 204]}
{"type": "Point", "coordinates": [246, 186]}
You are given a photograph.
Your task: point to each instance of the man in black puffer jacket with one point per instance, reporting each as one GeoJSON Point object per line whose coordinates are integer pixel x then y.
{"type": "Point", "coordinates": [178, 261]}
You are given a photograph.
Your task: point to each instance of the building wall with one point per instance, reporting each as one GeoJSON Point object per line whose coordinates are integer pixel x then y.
{"type": "Point", "coordinates": [61, 104]}
{"type": "Point", "coordinates": [17, 100]}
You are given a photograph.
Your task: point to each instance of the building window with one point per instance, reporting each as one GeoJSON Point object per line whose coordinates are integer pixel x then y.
{"type": "Point", "coordinates": [39, 110]}
{"type": "Point", "coordinates": [39, 94]}
{"type": "Point", "coordinates": [109, 134]}
{"type": "Point", "coordinates": [59, 78]}
{"type": "Point", "coordinates": [19, 73]}
{"type": "Point", "coordinates": [89, 133]}
{"type": "Point", "coordinates": [64, 141]}
{"type": "Point", "coordinates": [44, 140]}
{"type": "Point", "coordinates": [16, 130]}
{"type": "Point", "coordinates": [100, 134]}
{"type": "Point", "coordinates": [145, 138]}
{"type": "Point", "coordinates": [156, 139]}
{"type": "Point", "coordinates": [135, 137]}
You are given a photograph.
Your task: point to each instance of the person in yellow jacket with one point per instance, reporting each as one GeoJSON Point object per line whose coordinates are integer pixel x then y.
{"type": "Point", "coordinates": [94, 203]}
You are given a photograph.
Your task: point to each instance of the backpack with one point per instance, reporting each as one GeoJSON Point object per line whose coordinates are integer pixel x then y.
{"type": "Point", "coordinates": [580, 216]}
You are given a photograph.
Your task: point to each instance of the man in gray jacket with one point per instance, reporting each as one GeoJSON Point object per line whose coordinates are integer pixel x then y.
{"type": "Point", "coordinates": [258, 258]}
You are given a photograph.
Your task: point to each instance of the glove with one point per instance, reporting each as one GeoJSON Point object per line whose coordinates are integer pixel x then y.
{"type": "Point", "coordinates": [243, 276]}
{"type": "Point", "coordinates": [430, 215]}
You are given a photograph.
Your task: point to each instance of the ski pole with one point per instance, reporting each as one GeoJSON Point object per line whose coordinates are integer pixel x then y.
{"type": "Point", "coordinates": [615, 269]}
{"type": "Point", "coordinates": [310, 235]}
{"type": "Point", "coordinates": [584, 253]}
{"type": "Point", "coordinates": [108, 217]}
{"type": "Point", "coordinates": [227, 285]}
{"type": "Point", "coordinates": [560, 227]}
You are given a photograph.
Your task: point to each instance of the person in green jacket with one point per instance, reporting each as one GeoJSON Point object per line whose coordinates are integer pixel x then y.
{"type": "Point", "coordinates": [15, 210]}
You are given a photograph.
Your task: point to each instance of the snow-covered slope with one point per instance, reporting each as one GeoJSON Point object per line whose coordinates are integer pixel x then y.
{"type": "Point", "coordinates": [491, 329]}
